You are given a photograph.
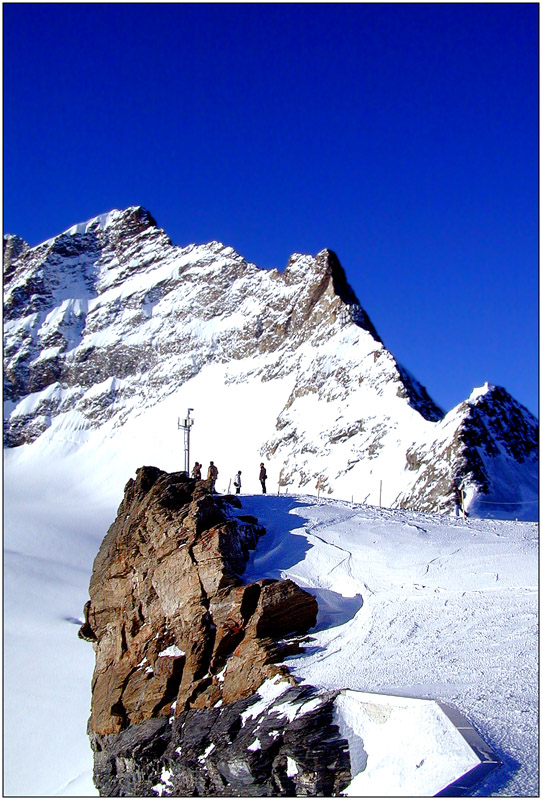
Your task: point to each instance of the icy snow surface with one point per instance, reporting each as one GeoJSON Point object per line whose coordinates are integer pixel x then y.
{"type": "Point", "coordinates": [387, 759]}
{"type": "Point", "coordinates": [410, 604]}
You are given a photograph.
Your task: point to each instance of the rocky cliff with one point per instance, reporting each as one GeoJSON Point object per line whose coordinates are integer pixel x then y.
{"type": "Point", "coordinates": [109, 321]}
{"type": "Point", "coordinates": [188, 693]}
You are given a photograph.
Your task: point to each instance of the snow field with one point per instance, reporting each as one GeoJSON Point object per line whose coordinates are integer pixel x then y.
{"type": "Point", "coordinates": [424, 606]}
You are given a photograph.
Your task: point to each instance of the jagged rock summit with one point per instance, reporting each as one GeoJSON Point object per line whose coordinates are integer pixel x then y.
{"type": "Point", "coordinates": [187, 694]}
{"type": "Point", "coordinates": [110, 322]}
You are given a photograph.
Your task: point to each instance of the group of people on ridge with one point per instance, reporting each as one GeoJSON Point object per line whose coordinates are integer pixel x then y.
{"type": "Point", "coordinates": [263, 478]}
{"type": "Point", "coordinates": [212, 475]}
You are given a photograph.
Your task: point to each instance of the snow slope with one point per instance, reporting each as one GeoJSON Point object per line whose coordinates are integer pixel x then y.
{"type": "Point", "coordinates": [448, 610]}
{"type": "Point", "coordinates": [411, 604]}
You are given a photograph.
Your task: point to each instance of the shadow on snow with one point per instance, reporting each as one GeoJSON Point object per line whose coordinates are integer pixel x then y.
{"type": "Point", "coordinates": [281, 548]}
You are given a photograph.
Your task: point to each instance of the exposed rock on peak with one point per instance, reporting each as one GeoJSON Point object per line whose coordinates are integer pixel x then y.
{"type": "Point", "coordinates": [328, 261]}
{"type": "Point", "coordinates": [133, 220]}
{"type": "Point", "coordinates": [14, 246]}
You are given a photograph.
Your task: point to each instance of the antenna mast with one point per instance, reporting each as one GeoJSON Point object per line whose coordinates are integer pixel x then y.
{"type": "Point", "coordinates": [185, 425]}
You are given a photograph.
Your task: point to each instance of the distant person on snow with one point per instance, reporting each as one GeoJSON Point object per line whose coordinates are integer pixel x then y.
{"type": "Point", "coordinates": [196, 472]}
{"type": "Point", "coordinates": [237, 482]}
{"type": "Point", "coordinates": [212, 475]}
{"type": "Point", "coordinates": [459, 498]}
{"type": "Point", "coordinates": [263, 477]}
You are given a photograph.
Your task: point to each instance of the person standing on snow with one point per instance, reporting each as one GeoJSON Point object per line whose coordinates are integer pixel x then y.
{"type": "Point", "coordinates": [237, 482]}
{"type": "Point", "coordinates": [212, 475]}
{"type": "Point", "coordinates": [263, 477]}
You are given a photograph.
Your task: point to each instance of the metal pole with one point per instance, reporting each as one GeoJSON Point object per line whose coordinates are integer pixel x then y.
{"type": "Point", "coordinates": [186, 425]}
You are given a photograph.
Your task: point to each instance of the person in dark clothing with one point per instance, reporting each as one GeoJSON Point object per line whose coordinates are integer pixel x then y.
{"type": "Point", "coordinates": [196, 472]}
{"type": "Point", "coordinates": [237, 483]}
{"type": "Point", "coordinates": [212, 475]}
{"type": "Point", "coordinates": [263, 477]}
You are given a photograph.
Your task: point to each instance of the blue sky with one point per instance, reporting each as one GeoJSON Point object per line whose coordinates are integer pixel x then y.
{"type": "Point", "coordinates": [402, 136]}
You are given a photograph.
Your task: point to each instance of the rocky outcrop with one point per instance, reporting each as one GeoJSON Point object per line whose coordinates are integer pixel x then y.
{"type": "Point", "coordinates": [187, 654]}
{"type": "Point", "coordinates": [288, 746]}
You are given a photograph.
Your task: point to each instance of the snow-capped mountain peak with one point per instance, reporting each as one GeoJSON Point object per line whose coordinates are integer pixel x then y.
{"type": "Point", "coordinates": [110, 322]}
{"type": "Point", "coordinates": [480, 391]}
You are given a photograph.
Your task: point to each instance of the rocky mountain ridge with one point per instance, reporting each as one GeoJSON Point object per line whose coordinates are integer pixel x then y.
{"type": "Point", "coordinates": [107, 320]}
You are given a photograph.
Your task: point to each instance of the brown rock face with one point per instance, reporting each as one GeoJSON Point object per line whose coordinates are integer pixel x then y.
{"type": "Point", "coordinates": [172, 623]}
